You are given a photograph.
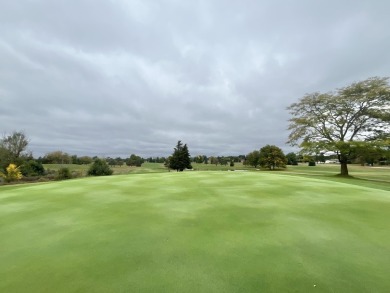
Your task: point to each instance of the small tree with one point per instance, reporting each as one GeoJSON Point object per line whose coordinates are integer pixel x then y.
{"type": "Point", "coordinates": [16, 143]}
{"type": "Point", "coordinates": [180, 159]}
{"type": "Point", "coordinates": [134, 160]}
{"type": "Point", "coordinates": [272, 157]}
{"type": "Point", "coordinates": [99, 168]}
{"type": "Point", "coordinates": [12, 173]}
{"type": "Point", "coordinates": [253, 159]}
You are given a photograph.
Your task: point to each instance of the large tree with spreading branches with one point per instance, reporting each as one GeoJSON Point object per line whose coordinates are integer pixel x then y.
{"type": "Point", "coordinates": [344, 121]}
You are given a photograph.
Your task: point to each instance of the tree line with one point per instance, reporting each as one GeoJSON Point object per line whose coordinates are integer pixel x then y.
{"type": "Point", "coordinates": [352, 122]}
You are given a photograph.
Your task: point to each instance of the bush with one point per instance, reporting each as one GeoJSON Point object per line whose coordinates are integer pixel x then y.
{"type": "Point", "coordinates": [32, 168]}
{"type": "Point", "coordinates": [312, 163]}
{"type": "Point", "coordinates": [12, 173]}
{"type": "Point", "coordinates": [99, 168]}
{"type": "Point", "coordinates": [231, 164]}
{"type": "Point", "coordinates": [77, 174]}
{"type": "Point", "coordinates": [64, 174]}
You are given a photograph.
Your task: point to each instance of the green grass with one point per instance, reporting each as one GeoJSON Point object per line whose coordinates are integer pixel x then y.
{"type": "Point", "coordinates": [195, 232]}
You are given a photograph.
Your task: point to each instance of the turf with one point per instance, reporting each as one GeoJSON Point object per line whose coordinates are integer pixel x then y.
{"type": "Point", "coordinates": [194, 232]}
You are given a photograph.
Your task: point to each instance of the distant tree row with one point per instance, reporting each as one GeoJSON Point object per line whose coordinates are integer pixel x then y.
{"type": "Point", "coordinates": [160, 160]}
{"type": "Point", "coordinates": [59, 157]}
{"type": "Point", "coordinates": [218, 160]}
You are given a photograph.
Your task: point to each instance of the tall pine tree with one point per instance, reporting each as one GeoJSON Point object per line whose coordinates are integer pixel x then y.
{"type": "Point", "coordinates": [180, 159]}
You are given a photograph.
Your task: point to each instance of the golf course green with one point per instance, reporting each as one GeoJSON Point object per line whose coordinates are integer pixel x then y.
{"type": "Point", "coordinates": [194, 232]}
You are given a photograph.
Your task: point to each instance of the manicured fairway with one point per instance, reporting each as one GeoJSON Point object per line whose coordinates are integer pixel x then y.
{"type": "Point", "coordinates": [194, 232]}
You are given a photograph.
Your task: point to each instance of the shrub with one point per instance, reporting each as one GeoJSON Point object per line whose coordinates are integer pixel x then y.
{"type": "Point", "coordinates": [231, 163]}
{"type": "Point", "coordinates": [12, 173]}
{"type": "Point", "coordinates": [99, 168]}
{"type": "Point", "coordinates": [64, 174]}
{"type": "Point", "coordinates": [32, 168]}
{"type": "Point", "coordinates": [77, 174]}
{"type": "Point", "coordinates": [312, 163]}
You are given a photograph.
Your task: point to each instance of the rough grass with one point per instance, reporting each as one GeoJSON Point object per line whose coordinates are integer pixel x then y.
{"type": "Point", "coordinates": [194, 232]}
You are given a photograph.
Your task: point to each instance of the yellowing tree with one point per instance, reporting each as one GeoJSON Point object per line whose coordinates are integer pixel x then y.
{"type": "Point", "coordinates": [272, 157]}
{"type": "Point", "coordinates": [13, 173]}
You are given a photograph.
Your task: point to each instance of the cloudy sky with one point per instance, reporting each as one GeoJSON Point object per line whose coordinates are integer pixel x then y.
{"type": "Point", "coordinates": [115, 77]}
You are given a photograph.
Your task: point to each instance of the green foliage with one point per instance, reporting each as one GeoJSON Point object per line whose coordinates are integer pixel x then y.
{"type": "Point", "coordinates": [253, 159]}
{"type": "Point", "coordinates": [214, 160]}
{"type": "Point", "coordinates": [63, 174]}
{"type": "Point", "coordinates": [231, 163]}
{"type": "Point", "coordinates": [57, 157]}
{"type": "Point", "coordinates": [272, 157]}
{"type": "Point", "coordinates": [292, 159]}
{"type": "Point", "coordinates": [312, 163]}
{"type": "Point", "coordinates": [199, 159]}
{"type": "Point", "coordinates": [32, 168]}
{"type": "Point", "coordinates": [223, 161]}
{"type": "Point", "coordinates": [12, 149]}
{"type": "Point", "coordinates": [99, 168]}
{"type": "Point", "coordinates": [180, 159]}
{"type": "Point", "coordinates": [84, 160]}
{"type": "Point", "coordinates": [15, 144]}
{"type": "Point", "coordinates": [134, 160]}
{"type": "Point", "coordinates": [5, 158]}
{"type": "Point", "coordinates": [336, 121]}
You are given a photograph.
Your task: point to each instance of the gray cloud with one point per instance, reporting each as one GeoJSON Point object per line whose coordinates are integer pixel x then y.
{"type": "Point", "coordinates": [121, 77]}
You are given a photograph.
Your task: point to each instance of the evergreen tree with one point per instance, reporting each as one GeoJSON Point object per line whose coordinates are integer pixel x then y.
{"type": "Point", "coordinates": [186, 157]}
{"type": "Point", "coordinates": [180, 159]}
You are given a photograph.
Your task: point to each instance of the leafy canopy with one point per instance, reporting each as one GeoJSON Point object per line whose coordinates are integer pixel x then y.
{"type": "Point", "coordinates": [99, 168]}
{"type": "Point", "coordinates": [16, 143]}
{"type": "Point", "coordinates": [253, 159]}
{"type": "Point", "coordinates": [355, 115]}
{"type": "Point", "coordinates": [272, 157]}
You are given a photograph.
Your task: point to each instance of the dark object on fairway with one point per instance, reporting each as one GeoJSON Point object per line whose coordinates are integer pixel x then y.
{"type": "Point", "coordinates": [312, 163]}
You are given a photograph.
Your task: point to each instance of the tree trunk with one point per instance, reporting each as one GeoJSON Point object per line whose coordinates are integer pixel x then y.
{"type": "Point", "coordinates": [344, 169]}
{"type": "Point", "coordinates": [343, 159]}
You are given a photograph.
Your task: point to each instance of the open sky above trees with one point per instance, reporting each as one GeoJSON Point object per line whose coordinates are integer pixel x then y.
{"type": "Point", "coordinates": [110, 78]}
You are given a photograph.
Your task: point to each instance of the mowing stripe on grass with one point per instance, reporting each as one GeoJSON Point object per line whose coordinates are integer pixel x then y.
{"type": "Point", "coordinates": [194, 232]}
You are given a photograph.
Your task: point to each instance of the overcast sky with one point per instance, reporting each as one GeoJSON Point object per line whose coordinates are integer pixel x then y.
{"type": "Point", "coordinates": [111, 78]}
